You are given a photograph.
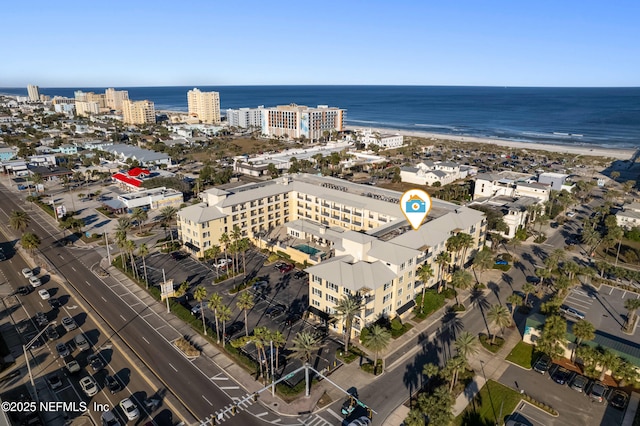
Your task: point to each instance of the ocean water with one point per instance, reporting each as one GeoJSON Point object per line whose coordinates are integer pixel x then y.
{"type": "Point", "coordinates": [607, 117]}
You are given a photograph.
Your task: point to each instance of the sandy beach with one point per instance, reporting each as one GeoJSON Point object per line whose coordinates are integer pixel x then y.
{"type": "Point", "coordinates": [595, 151]}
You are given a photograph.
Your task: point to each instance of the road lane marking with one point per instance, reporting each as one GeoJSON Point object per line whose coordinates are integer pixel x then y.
{"type": "Point", "coordinates": [204, 397]}
{"type": "Point", "coordinates": [174, 369]}
{"type": "Point", "coordinates": [74, 269]}
{"type": "Point", "coordinates": [123, 318]}
{"type": "Point", "coordinates": [229, 387]}
{"type": "Point", "coordinates": [143, 338]}
{"type": "Point", "coordinates": [219, 376]}
{"type": "Point", "coordinates": [88, 283]}
{"type": "Point", "coordinates": [333, 413]}
{"type": "Point", "coordinates": [264, 413]}
{"type": "Point", "coordinates": [102, 297]}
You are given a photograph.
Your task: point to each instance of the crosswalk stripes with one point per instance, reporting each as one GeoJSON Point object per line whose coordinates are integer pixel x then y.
{"type": "Point", "coordinates": [313, 420]}
{"type": "Point", "coordinates": [225, 413]}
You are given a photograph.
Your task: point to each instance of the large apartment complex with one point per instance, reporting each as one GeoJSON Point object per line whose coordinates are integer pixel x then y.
{"type": "Point", "coordinates": [368, 248]}
{"type": "Point", "coordinates": [115, 98]}
{"type": "Point", "coordinates": [34, 92]}
{"type": "Point", "coordinates": [245, 118]}
{"type": "Point", "coordinates": [204, 105]}
{"type": "Point", "coordinates": [138, 112]}
{"type": "Point", "coordinates": [298, 121]}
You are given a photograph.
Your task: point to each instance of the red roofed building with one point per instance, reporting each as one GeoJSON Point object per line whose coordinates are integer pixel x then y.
{"type": "Point", "coordinates": [131, 180]}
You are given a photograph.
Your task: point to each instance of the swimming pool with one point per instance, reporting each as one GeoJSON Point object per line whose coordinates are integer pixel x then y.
{"type": "Point", "coordinates": [307, 249]}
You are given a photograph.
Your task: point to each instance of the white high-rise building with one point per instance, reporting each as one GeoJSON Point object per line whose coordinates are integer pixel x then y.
{"type": "Point", "coordinates": [245, 117]}
{"type": "Point", "coordinates": [115, 98]}
{"type": "Point", "coordinates": [34, 92]}
{"type": "Point", "coordinates": [204, 105]}
{"type": "Point", "coordinates": [299, 121]}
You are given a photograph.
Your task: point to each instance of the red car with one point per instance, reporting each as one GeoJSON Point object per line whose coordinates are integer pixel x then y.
{"type": "Point", "coordinates": [286, 268]}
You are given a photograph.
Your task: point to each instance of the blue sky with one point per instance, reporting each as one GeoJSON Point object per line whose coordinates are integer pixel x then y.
{"type": "Point", "coordinates": [203, 42]}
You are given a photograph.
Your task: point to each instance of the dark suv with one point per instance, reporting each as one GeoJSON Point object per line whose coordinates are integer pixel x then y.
{"type": "Point", "coordinates": [542, 364]}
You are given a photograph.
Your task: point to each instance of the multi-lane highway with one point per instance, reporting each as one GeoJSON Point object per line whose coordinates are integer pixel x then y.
{"type": "Point", "coordinates": [127, 317]}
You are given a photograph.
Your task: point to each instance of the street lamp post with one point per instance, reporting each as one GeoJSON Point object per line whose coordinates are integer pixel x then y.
{"type": "Point", "coordinates": [488, 391]}
{"type": "Point", "coordinates": [26, 358]}
{"type": "Point", "coordinates": [164, 280]}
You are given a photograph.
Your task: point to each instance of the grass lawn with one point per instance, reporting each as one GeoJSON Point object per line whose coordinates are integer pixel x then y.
{"type": "Point", "coordinates": [432, 302]}
{"type": "Point", "coordinates": [522, 355]}
{"type": "Point", "coordinates": [480, 411]}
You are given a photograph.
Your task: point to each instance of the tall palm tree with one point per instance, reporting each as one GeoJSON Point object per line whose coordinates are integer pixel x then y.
{"type": "Point", "coordinates": [30, 241]}
{"type": "Point", "coordinates": [514, 300]}
{"type": "Point", "coordinates": [215, 302]}
{"type": "Point", "coordinates": [19, 220]}
{"type": "Point", "coordinates": [261, 338]}
{"type": "Point", "coordinates": [167, 216]}
{"type": "Point", "coordinates": [482, 261]}
{"type": "Point", "coordinates": [453, 246]}
{"type": "Point", "coordinates": [244, 245]}
{"type": "Point", "coordinates": [139, 216]}
{"type": "Point", "coordinates": [200, 294]}
{"type": "Point", "coordinates": [305, 344]}
{"type": "Point", "coordinates": [346, 309]}
{"type": "Point", "coordinates": [130, 248]}
{"type": "Point", "coordinates": [499, 316]}
{"type": "Point", "coordinates": [224, 315]}
{"type": "Point", "coordinates": [245, 303]}
{"type": "Point", "coordinates": [466, 345]}
{"type": "Point", "coordinates": [608, 361]}
{"type": "Point", "coordinates": [452, 369]}
{"type": "Point", "coordinates": [143, 251]}
{"type": "Point", "coordinates": [442, 259]}
{"type": "Point", "coordinates": [211, 253]}
{"type": "Point", "coordinates": [466, 242]}
{"type": "Point", "coordinates": [461, 280]}
{"type": "Point", "coordinates": [377, 340]}
{"type": "Point", "coordinates": [224, 242]}
{"type": "Point", "coordinates": [122, 228]}
{"type": "Point", "coordinates": [631, 305]}
{"type": "Point", "coordinates": [583, 330]}
{"type": "Point", "coordinates": [527, 289]}
{"type": "Point", "coordinates": [236, 234]}
{"type": "Point", "coordinates": [425, 273]}
{"type": "Point", "coordinates": [278, 342]}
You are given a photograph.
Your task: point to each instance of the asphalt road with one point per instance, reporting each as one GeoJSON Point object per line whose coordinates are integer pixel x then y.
{"type": "Point", "coordinates": [180, 376]}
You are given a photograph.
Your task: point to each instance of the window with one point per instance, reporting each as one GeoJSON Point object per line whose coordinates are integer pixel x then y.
{"type": "Point", "coordinates": [386, 310]}
{"type": "Point", "coordinates": [315, 302]}
{"type": "Point", "coordinates": [399, 292]}
{"type": "Point", "coordinates": [386, 298]}
{"type": "Point", "coordinates": [331, 299]}
{"type": "Point", "coordinates": [346, 291]}
{"type": "Point", "coordinates": [398, 303]}
{"type": "Point", "coordinates": [317, 279]}
{"type": "Point", "coordinates": [410, 274]}
{"type": "Point", "coordinates": [410, 262]}
{"type": "Point", "coordinates": [332, 286]}
{"type": "Point", "coordinates": [317, 292]}
{"type": "Point", "coordinates": [400, 280]}
{"type": "Point", "coordinates": [387, 286]}
{"type": "Point", "coordinates": [402, 266]}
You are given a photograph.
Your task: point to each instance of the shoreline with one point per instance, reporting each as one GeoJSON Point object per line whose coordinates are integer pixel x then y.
{"type": "Point", "coordinates": [587, 150]}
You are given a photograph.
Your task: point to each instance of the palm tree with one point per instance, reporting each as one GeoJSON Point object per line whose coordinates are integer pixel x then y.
{"type": "Point", "coordinates": [499, 316]}
{"type": "Point", "coordinates": [514, 300]}
{"type": "Point", "coordinates": [553, 336]}
{"type": "Point", "coordinates": [211, 253]}
{"type": "Point", "coordinates": [466, 344]}
{"type": "Point", "coordinates": [425, 273]}
{"type": "Point", "coordinates": [224, 242]}
{"type": "Point", "coordinates": [557, 256]}
{"type": "Point", "coordinates": [305, 344]}
{"type": "Point", "coordinates": [200, 294]}
{"type": "Point", "coordinates": [139, 216]}
{"type": "Point", "coordinates": [224, 315]}
{"type": "Point", "coordinates": [130, 248]}
{"type": "Point", "coordinates": [461, 280]}
{"type": "Point", "coordinates": [143, 251]}
{"type": "Point", "coordinates": [442, 259]}
{"type": "Point", "coordinates": [414, 418]}
{"type": "Point", "coordinates": [571, 268]}
{"type": "Point", "coordinates": [19, 220]}
{"type": "Point", "coordinates": [278, 341]}
{"type": "Point", "coordinates": [215, 302]}
{"type": "Point", "coordinates": [245, 303]}
{"type": "Point", "coordinates": [631, 305]}
{"type": "Point", "coordinates": [243, 245]}
{"type": "Point", "coordinates": [346, 309]}
{"type": "Point", "coordinates": [167, 215]}
{"type": "Point", "coordinates": [453, 367]}
{"type": "Point", "coordinates": [527, 289]}
{"type": "Point", "coordinates": [377, 340]}
{"type": "Point", "coordinates": [608, 361]}
{"type": "Point", "coordinates": [583, 330]}
{"type": "Point", "coordinates": [466, 242]}
{"type": "Point", "coordinates": [482, 261]}
{"type": "Point", "coordinates": [122, 228]}
{"type": "Point", "coordinates": [453, 245]}
{"type": "Point", "coordinates": [261, 337]}
{"type": "Point", "coordinates": [236, 234]}
{"type": "Point", "coordinates": [30, 241]}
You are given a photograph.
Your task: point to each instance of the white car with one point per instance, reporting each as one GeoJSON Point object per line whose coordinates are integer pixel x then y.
{"type": "Point", "coordinates": [129, 409]}
{"type": "Point", "coordinates": [222, 263]}
{"type": "Point", "coordinates": [26, 272]}
{"type": "Point", "coordinates": [44, 294]}
{"type": "Point", "coordinates": [89, 385]}
{"type": "Point", "coordinates": [35, 281]}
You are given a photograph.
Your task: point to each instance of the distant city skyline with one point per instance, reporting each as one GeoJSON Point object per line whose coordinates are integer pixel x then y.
{"type": "Point", "coordinates": [465, 43]}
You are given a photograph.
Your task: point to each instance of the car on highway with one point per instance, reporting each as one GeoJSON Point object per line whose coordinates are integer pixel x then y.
{"type": "Point", "coordinates": [89, 386]}
{"type": "Point", "coordinates": [26, 272]}
{"type": "Point", "coordinates": [561, 375]}
{"type": "Point", "coordinates": [81, 342]}
{"type": "Point", "coordinates": [52, 333]}
{"type": "Point", "coordinates": [69, 324]}
{"type": "Point", "coordinates": [54, 302]}
{"type": "Point", "coordinates": [619, 399]}
{"type": "Point", "coordinates": [542, 364]}
{"type": "Point", "coordinates": [571, 312]}
{"type": "Point", "coordinates": [23, 290]}
{"type": "Point", "coordinates": [579, 383]}
{"type": "Point", "coordinates": [62, 349]}
{"type": "Point", "coordinates": [275, 310]}
{"type": "Point", "coordinates": [291, 319]}
{"type": "Point", "coordinates": [597, 391]}
{"type": "Point", "coordinates": [54, 381]}
{"type": "Point", "coordinates": [112, 384]}
{"type": "Point", "coordinates": [35, 282]}
{"type": "Point", "coordinates": [44, 294]}
{"type": "Point", "coordinates": [129, 409]}
{"type": "Point", "coordinates": [95, 362]}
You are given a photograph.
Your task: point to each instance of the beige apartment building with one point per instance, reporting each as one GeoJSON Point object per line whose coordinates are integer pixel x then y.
{"type": "Point", "coordinates": [368, 248]}
{"type": "Point", "coordinates": [114, 98]}
{"type": "Point", "coordinates": [84, 108]}
{"type": "Point", "coordinates": [299, 121]}
{"type": "Point", "coordinates": [204, 105]}
{"type": "Point", "coordinates": [34, 92]}
{"type": "Point", "coordinates": [138, 112]}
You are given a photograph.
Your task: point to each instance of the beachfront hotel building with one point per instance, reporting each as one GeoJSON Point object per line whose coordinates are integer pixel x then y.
{"type": "Point", "coordinates": [34, 92]}
{"type": "Point", "coordinates": [355, 236]}
{"type": "Point", "coordinates": [138, 112]}
{"type": "Point", "coordinates": [114, 98]}
{"type": "Point", "coordinates": [299, 121]}
{"type": "Point", "coordinates": [84, 108]}
{"type": "Point", "coordinates": [245, 118]}
{"type": "Point", "coordinates": [205, 106]}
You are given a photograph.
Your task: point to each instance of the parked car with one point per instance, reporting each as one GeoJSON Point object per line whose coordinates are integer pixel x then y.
{"type": "Point", "coordinates": [54, 381]}
{"type": "Point", "coordinates": [109, 419]}
{"type": "Point", "coordinates": [223, 263]}
{"type": "Point", "coordinates": [35, 281]}
{"type": "Point", "coordinates": [129, 409]}
{"type": "Point", "coordinates": [278, 265]}
{"type": "Point", "coordinates": [275, 310]}
{"type": "Point", "coordinates": [286, 268]}
{"type": "Point", "coordinates": [360, 421]}
{"type": "Point", "coordinates": [597, 391]}
{"type": "Point", "coordinates": [300, 274]}
{"type": "Point", "coordinates": [260, 285]}
{"type": "Point", "coordinates": [52, 333]}
{"type": "Point", "coordinates": [579, 383]}
{"type": "Point", "coordinates": [44, 294]}
{"type": "Point", "coordinates": [23, 290]}
{"type": "Point", "coordinates": [95, 362]}
{"type": "Point", "coordinates": [81, 342]}
{"type": "Point", "coordinates": [542, 364]}
{"type": "Point", "coordinates": [89, 386]}
{"type": "Point", "coordinates": [62, 349]}
{"type": "Point", "coordinates": [196, 309]}
{"type": "Point", "coordinates": [71, 364]}
{"type": "Point", "coordinates": [69, 324]}
{"type": "Point", "coordinates": [26, 272]}
{"type": "Point", "coordinates": [572, 312]}
{"type": "Point", "coordinates": [291, 319]}
{"type": "Point", "coordinates": [571, 214]}
{"type": "Point", "coordinates": [112, 384]}
{"type": "Point", "coordinates": [501, 262]}
{"type": "Point", "coordinates": [561, 375]}
{"type": "Point", "coordinates": [233, 328]}
{"type": "Point", "coordinates": [533, 280]}
{"type": "Point", "coordinates": [178, 255]}
{"type": "Point", "coordinates": [41, 319]}
{"type": "Point", "coordinates": [619, 399]}
{"type": "Point", "coordinates": [54, 302]}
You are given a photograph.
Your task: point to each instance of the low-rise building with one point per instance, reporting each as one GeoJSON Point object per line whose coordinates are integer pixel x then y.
{"type": "Point", "coordinates": [152, 199]}
{"type": "Point", "coordinates": [382, 140]}
{"type": "Point", "coordinates": [245, 118]}
{"type": "Point", "coordinates": [131, 180]}
{"type": "Point", "coordinates": [431, 172]}
{"type": "Point", "coordinates": [510, 184]}
{"type": "Point", "coordinates": [557, 181]}
{"type": "Point", "coordinates": [629, 216]}
{"type": "Point", "coordinates": [144, 157]}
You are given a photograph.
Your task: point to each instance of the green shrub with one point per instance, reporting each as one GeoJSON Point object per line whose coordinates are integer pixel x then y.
{"type": "Point", "coordinates": [485, 341]}
{"type": "Point", "coordinates": [368, 368]}
{"type": "Point", "coordinates": [504, 268]}
{"type": "Point", "coordinates": [540, 239]}
{"type": "Point", "coordinates": [458, 307]}
{"type": "Point", "coordinates": [364, 334]}
{"type": "Point", "coordinates": [396, 324]}
{"type": "Point", "coordinates": [449, 293]}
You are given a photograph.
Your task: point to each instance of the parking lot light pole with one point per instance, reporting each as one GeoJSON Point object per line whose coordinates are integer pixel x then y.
{"type": "Point", "coordinates": [26, 358]}
{"type": "Point", "coordinates": [488, 391]}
